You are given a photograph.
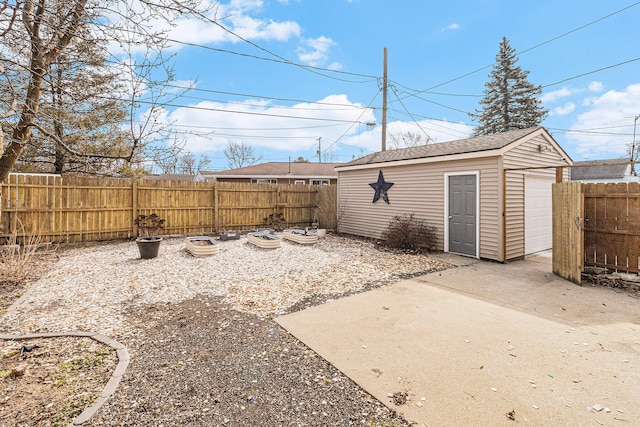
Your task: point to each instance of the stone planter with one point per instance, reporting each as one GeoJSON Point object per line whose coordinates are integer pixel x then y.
{"type": "Point", "coordinates": [148, 246]}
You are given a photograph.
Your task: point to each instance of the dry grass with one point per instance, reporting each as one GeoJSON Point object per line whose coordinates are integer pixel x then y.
{"type": "Point", "coordinates": [17, 256]}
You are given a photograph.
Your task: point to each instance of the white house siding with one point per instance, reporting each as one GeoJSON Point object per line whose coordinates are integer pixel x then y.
{"type": "Point", "coordinates": [419, 189]}
{"type": "Point", "coordinates": [525, 155]}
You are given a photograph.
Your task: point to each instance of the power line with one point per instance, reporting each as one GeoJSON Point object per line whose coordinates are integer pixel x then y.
{"type": "Point", "coordinates": [528, 50]}
{"type": "Point", "coordinates": [285, 107]}
{"type": "Point", "coordinates": [352, 125]}
{"type": "Point", "coordinates": [251, 113]}
{"type": "Point", "coordinates": [250, 129]}
{"type": "Point", "coordinates": [410, 115]}
{"type": "Point", "coordinates": [282, 61]}
{"type": "Point", "coordinates": [285, 60]}
{"type": "Point", "coordinates": [592, 72]}
{"type": "Point", "coordinates": [580, 28]}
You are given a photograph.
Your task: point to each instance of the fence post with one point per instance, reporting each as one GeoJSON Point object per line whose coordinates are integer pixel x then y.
{"type": "Point", "coordinates": [559, 174]}
{"type": "Point", "coordinates": [134, 206]}
{"type": "Point", "coordinates": [216, 214]}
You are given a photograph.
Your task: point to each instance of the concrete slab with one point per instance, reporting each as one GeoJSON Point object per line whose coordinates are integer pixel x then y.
{"type": "Point", "coordinates": [474, 343]}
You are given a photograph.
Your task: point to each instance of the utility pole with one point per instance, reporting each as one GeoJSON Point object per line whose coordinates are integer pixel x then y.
{"type": "Point", "coordinates": [319, 150]}
{"type": "Point", "coordinates": [633, 146]}
{"type": "Point", "coordinates": [384, 102]}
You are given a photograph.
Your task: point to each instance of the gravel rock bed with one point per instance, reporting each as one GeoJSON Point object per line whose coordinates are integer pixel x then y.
{"type": "Point", "coordinates": [88, 287]}
{"type": "Point", "coordinates": [204, 348]}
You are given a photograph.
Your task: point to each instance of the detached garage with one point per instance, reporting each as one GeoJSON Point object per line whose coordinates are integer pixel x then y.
{"type": "Point", "coordinates": [488, 197]}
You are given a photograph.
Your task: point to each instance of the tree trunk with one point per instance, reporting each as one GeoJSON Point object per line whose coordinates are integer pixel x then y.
{"type": "Point", "coordinates": [22, 132]}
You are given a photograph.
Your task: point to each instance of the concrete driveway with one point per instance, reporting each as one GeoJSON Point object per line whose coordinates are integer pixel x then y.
{"type": "Point", "coordinates": [487, 344]}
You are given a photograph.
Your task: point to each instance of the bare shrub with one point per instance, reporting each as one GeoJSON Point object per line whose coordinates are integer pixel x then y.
{"type": "Point", "coordinates": [149, 225]}
{"type": "Point", "coordinates": [408, 233]}
{"type": "Point", "coordinates": [16, 261]}
{"type": "Point", "coordinates": [276, 220]}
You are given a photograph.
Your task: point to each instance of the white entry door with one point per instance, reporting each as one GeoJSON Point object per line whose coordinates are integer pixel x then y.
{"type": "Point", "coordinates": [538, 213]}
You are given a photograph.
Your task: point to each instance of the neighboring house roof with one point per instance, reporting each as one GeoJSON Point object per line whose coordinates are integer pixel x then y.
{"type": "Point", "coordinates": [172, 177]}
{"type": "Point", "coordinates": [279, 170]}
{"type": "Point", "coordinates": [476, 144]}
{"type": "Point", "coordinates": [616, 170]}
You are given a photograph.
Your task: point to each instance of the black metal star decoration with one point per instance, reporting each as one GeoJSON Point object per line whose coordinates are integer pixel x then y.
{"type": "Point", "coordinates": [381, 188]}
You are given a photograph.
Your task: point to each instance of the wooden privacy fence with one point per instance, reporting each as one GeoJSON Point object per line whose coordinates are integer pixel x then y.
{"type": "Point", "coordinates": [74, 209]}
{"type": "Point", "coordinates": [567, 230]}
{"type": "Point", "coordinates": [595, 225]}
{"type": "Point", "coordinates": [612, 226]}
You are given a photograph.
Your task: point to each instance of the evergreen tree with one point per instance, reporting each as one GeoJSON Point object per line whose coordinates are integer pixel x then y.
{"type": "Point", "coordinates": [510, 102]}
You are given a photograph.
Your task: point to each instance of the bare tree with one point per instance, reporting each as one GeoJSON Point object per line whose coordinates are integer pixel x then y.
{"type": "Point", "coordinates": [408, 139]}
{"type": "Point", "coordinates": [35, 34]}
{"type": "Point", "coordinates": [240, 155]}
{"type": "Point", "coordinates": [189, 164]}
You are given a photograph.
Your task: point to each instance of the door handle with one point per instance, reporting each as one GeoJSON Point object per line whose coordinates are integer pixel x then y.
{"type": "Point", "coordinates": [450, 217]}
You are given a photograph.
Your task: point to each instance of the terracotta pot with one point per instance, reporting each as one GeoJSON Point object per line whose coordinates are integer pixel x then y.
{"type": "Point", "coordinates": [148, 246]}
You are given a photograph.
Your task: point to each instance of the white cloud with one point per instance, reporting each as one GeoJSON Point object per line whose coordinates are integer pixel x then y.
{"type": "Point", "coordinates": [314, 52]}
{"type": "Point", "coordinates": [452, 27]}
{"type": "Point", "coordinates": [555, 95]}
{"type": "Point", "coordinates": [278, 127]}
{"type": "Point", "coordinates": [596, 87]}
{"type": "Point", "coordinates": [567, 108]}
{"type": "Point", "coordinates": [258, 29]}
{"type": "Point", "coordinates": [237, 16]}
{"type": "Point", "coordinates": [566, 91]}
{"type": "Point", "coordinates": [437, 130]}
{"type": "Point", "coordinates": [244, 5]}
{"type": "Point", "coordinates": [611, 118]}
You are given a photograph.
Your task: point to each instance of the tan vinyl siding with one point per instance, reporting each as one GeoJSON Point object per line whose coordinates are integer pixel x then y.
{"type": "Point", "coordinates": [525, 155]}
{"type": "Point", "coordinates": [419, 189]}
{"type": "Point", "coordinates": [514, 214]}
{"type": "Point", "coordinates": [490, 210]}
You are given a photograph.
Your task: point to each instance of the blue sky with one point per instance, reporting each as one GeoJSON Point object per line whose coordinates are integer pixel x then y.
{"type": "Point", "coordinates": [257, 90]}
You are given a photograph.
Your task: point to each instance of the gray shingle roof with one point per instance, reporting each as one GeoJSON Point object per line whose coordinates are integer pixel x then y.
{"type": "Point", "coordinates": [468, 145]}
{"type": "Point", "coordinates": [605, 171]}
{"type": "Point", "coordinates": [281, 169]}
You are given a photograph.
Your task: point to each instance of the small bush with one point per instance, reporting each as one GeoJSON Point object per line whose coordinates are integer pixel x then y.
{"type": "Point", "coordinates": [149, 225]}
{"type": "Point", "coordinates": [409, 234]}
{"type": "Point", "coordinates": [276, 221]}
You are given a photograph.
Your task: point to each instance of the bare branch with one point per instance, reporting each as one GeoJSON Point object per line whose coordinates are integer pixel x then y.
{"type": "Point", "coordinates": [70, 150]}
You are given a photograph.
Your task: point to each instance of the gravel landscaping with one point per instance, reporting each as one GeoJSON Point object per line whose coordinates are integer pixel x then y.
{"type": "Point", "coordinates": [204, 348]}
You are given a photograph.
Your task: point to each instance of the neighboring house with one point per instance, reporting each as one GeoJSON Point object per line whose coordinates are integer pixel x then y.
{"type": "Point", "coordinates": [488, 196]}
{"type": "Point", "coordinates": [279, 173]}
{"type": "Point", "coordinates": [597, 171]}
{"type": "Point", "coordinates": [176, 177]}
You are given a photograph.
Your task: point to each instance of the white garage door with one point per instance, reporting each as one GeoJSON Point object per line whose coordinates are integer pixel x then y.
{"type": "Point", "coordinates": [537, 213]}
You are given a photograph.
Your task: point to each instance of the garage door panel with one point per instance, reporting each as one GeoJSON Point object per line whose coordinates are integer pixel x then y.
{"type": "Point", "coordinates": [538, 213]}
